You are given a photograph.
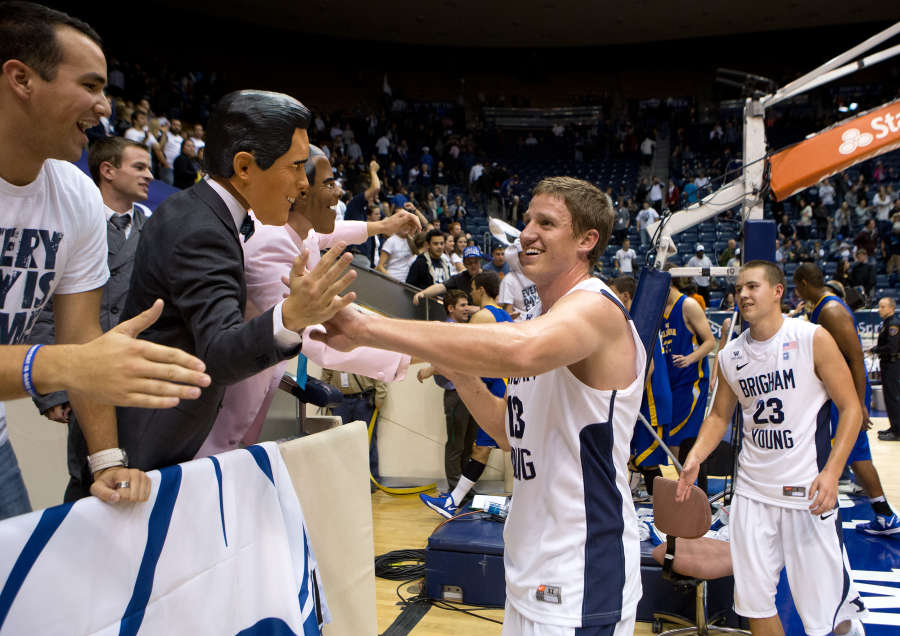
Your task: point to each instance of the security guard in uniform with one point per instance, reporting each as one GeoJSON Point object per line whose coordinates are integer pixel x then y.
{"type": "Point", "coordinates": [362, 395]}
{"type": "Point", "coordinates": [888, 350]}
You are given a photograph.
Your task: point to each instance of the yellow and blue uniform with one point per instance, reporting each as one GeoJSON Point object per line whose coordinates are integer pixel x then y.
{"type": "Point", "coordinates": [860, 451]}
{"type": "Point", "coordinates": [497, 386]}
{"type": "Point", "coordinates": [690, 385]}
{"type": "Point", "coordinates": [656, 406]}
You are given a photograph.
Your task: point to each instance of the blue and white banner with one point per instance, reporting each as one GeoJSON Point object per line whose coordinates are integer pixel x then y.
{"type": "Point", "coordinates": [219, 548]}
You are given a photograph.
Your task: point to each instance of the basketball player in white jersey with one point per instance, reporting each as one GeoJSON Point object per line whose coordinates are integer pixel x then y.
{"type": "Point", "coordinates": [576, 377]}
{"type": "Point", "coordinates": [784, 372]}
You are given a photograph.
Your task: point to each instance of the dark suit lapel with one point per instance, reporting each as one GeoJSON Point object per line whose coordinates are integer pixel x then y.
{"type": "Point", "coordinates": [215, 202]}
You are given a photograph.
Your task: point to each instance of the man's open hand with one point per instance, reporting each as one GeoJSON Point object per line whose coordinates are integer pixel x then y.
{"type": "Point", "coordinates": [402, 223]}
{"type": "Point", "coordinates": [313, 298]}
{"type": "Point", "coordinates": [119, 369]}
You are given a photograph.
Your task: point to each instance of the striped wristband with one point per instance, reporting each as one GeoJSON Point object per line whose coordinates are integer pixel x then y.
{"type": "Point", "coordinates": [26, 371]}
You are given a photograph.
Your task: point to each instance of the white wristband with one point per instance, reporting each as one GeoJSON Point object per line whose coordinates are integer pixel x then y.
{"type": "Point", "coordinates": [101, 460]}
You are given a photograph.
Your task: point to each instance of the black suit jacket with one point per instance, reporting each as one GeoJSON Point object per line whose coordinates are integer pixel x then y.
{"type": "Point", "coordinates": [190, 255]}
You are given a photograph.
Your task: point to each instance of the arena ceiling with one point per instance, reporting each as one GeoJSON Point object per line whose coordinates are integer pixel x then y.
{"type": "Point", "coordinates": [543, 23]}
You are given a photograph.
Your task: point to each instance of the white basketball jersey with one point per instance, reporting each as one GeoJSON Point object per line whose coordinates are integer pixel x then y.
{"type": "Point", "coordinates": [786, 414]}
{"type": "Point", "coordinates": [572, 552]}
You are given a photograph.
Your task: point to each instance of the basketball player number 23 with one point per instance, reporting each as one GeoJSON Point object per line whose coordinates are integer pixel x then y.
{"type": "Point", "coordinates": [776, 415]}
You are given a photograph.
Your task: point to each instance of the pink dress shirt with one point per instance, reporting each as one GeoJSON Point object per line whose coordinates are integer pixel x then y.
{"type": "Point", "coordinates": [268, 256]}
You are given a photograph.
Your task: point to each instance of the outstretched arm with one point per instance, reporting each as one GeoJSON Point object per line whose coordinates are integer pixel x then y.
{"type": "Point", "coordinates": [559, 338]}
{"type": "Point", "coordinates": [835, 375]}
{"type": "Point", "coordinates": [711, 433]}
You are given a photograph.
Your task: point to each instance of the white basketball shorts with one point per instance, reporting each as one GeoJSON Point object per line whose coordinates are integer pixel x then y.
{"type": "Point", "coordinates": [514, 624]}
{"type": "Point", "coordinates": [767, 538]}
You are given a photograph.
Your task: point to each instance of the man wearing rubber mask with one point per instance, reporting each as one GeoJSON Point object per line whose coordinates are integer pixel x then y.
{"type": "Point", "coordinates": [191, 255]}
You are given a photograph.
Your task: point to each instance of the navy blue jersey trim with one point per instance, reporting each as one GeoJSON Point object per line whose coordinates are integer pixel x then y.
{"type": "Point", "coordinates": [604, 550]}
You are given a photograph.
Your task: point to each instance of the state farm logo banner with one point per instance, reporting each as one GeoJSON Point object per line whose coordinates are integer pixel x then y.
{"type": "Point", "coordinates": [835, 149]}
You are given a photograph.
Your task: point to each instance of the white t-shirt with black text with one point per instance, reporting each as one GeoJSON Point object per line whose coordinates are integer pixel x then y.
{"type": "Point", "coordinates": [53, 241]}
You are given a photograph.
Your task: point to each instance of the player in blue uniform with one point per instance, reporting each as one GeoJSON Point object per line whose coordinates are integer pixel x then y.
{"type": "Point", "coordinates": [656, 405]}
{"type": "Point", "coordinates": [485, 287]}
{"type": "Point", "coordinates": [830, 311]}
{"type": "Point", "coordinates": [687, 341]}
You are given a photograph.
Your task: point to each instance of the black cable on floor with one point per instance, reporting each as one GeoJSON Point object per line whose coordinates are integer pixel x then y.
{"type": "Point", "coordinates": [400, 565]}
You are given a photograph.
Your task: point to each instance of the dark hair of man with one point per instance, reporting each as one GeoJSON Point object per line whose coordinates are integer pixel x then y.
{"type": "Point", "coordinates": [773, 273]}
{"type": "Point", "coordinates": [590, 208]}
{"type": "Point", "coordinates": [28, 34]}
{"type": "Point", "coordinates": [489, 282]}
{"type": "Point", "coordinates": [453, 296]}
{"type": "Point", "coordinates": [136, 114]}
{"type": "Point", "coordinates": [109, 149]}
{"type": "Point", "coordinates": [431, 234]}
{"type": "Point", "coordinates": [625, 285]}
{"type": "Point", "coordinates": [259, 122]}
{"type": "Point", "coordinates": [810, 274]}
{"type": "Point", "coordinates": [314, 152]}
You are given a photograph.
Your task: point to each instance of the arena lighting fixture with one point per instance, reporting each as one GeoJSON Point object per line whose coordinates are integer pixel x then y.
{"type": "Point", "coordinates": [751, 186]}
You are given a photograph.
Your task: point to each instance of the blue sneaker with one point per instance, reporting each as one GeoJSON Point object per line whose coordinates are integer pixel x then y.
{"type": "Point", "coordinates": [442, 504]}
{"type": "Point", "coordinates": [880, 526]}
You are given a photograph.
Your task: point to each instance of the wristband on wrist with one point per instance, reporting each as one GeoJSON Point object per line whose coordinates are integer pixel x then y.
{"type": "Point", "coordinates": [27, 365]}
{"type": "Point", "coordinates": [109, 458]}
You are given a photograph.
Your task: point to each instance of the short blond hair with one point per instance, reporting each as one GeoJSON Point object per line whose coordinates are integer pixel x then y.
{"type": "Point", "coordinates": [590, 207]}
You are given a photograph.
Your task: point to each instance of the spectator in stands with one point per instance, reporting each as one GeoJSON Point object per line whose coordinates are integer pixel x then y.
{"type": "Point", "coordinates": [383, 147]}
{"type": "Point", "coordinates": [622, 221]}
{"type": "Point", "coordinates": [397, 255]}
{"type": "Point", "coordinates": [624, 259]}
{"type": "Point", "coordinates": [728, 253]}
{"type": "Point", "coordinates": [891, 245]}
{"type": "Point", "coordinates": [862, 212]}
{"type": "Point", "coordinates": [358, 206]}
{"type": "Point", "coordinates": [690, 192]}
{"type": "Point", "coordinates": [862, 274]}
{"type": "Point", "coordinates": [186, 170]}
{"type": "Point", "coordinates": [785, 228]}
{"type": "Point", "coordinates": [139, 131]}
{"type": "Point", "coordinates": [727, 303]}
{"type": "Point", "coordinates": [457, 208]}
{"type": "Point", "coordinates": [842, 219]}
{"type": "Point", "coordinates": [647, 147]}
{"type": "Point", "coordinates": [498, 263]}
{"type": "Point", "coordinates": [700, 259]}
{"type": "Point", "coordinates": [461, 426]}
{"type": "Point", "coordinates": [882, 203]}
{"type": "Point", "coordinates": [198, 137]}
{"type": "Point", "coordinates": [867, 238]}
{"type": "Point", "coordinates": [826, 194]}
{"type": "Point", "coordinates": [645, 217]}
{"type": "Point", "coordinates": [842, 272]}
{"type": "Point", "coordinates": [371, 248]}
{"type": "Point", "coordinates": [656, 194]}
{"type": "Point", "coordinates": [429, 267]}
{"type": "Point", "coordinates": [171, 144]}
{"type": "Point", "coordinates": [673, 196]}
{"type": "Point", "coordinates": [460, 243]}
{"type": "Point", "coordinates": [804, 225]}
{"type": "Point", "coordinates": [472, 260]}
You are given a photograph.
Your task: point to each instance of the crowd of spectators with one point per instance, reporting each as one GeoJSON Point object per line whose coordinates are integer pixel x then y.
{"type": "Point", "coordinates": [454, 170]}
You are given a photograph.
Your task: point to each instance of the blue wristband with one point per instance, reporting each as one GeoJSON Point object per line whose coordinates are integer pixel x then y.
{"type": "Point", "coordinates": [26, 371]}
